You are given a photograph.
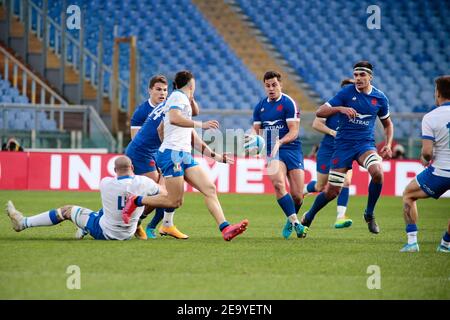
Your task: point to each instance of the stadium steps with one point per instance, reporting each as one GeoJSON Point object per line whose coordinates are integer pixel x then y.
{"type": "Point", "coordinates": [52, 74]}
{"type": "Point", "coordinates": [245, 42]}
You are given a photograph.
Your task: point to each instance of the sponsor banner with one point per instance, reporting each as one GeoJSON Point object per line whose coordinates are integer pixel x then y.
{"type": "Point", "coordinates": [81, 171]}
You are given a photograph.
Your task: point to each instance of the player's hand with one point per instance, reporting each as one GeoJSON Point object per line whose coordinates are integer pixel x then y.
{"type": "Point", "coordinates": [275, 148]}
{"type": "Point", "coordinates": [225, 158]}
{"type": "Point", "coordinates": [386, 152]}
{"type": "Point", "coordinates": [349, 112]}
{"type": "Point", "coordinates": [424, 161]}
{"type": "Point", "coordinates": [211, 124]}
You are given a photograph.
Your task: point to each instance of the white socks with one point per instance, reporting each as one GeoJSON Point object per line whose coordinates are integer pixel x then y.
{"type": "Point", "coordinates": [445, 243]}
{"type": "Point", "coordinates": [168, 218]}
{"type": "Point", "coordinates": [341, 212]}
{"type": "Point", "coordinates": [412, 237]}
{"type": "Point", "coordinates": [39, 220]}
{"type": "Point", "coordinates": [293, 219]}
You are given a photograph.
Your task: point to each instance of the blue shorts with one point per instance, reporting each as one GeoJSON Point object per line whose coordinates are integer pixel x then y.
{"type": "Point", "coordinates": [142, 163]}
{"type": "Point", "coordinates": [345, 153]}
{"type": "Point", "coordinates": [173, 163]}
{"type": "Point", "coordinates": [433, 185]}
{"type": "Point", "coordinates": [93, 225]}
{"type": "Point", "coordinates": [323, 158]}
{"type": "Point", "coordinates": [292, 158]}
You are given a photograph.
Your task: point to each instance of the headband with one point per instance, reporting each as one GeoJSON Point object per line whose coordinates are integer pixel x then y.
{"type": "Point", "coordinates": [369, 71]}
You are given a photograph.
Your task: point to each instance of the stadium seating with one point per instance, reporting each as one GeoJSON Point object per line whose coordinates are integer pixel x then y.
{"type": "Point", "coordinates": [172, 35]}
{"type": "Point", "coordinates": [407, 53]}
{"type": "Point", "coordinates": [21, 119]}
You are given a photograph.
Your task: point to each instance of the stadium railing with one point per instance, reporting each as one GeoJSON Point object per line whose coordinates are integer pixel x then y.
{"type": "Point", "coordinates": [77, 127]}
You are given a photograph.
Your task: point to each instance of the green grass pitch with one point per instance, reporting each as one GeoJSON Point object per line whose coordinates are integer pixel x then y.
{"type": "Point", "coordinates": [328, 264]}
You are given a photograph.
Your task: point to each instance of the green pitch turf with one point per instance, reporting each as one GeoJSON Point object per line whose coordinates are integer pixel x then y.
{"type": "Point", "coordinates": [328, 264]}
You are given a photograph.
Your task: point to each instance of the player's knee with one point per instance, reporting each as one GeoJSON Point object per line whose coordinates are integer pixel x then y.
{"type": "Point", "coordinates": [298, 199]}
{"type": "Point", "coordinates": [331, 191]}
{"type": "Point", "coordinates": [377, 176]}
{"type": "Point", "coordinates": [210, 189]}
{"type": "Point", "coordinates": [279, 186]}
{"type": "Point", "coordinates": [320, 186]}
{"type": "Point", "coordinates": [66, 212]}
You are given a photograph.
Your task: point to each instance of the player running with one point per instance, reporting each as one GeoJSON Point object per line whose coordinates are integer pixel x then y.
{"type": "Point", "coordinates": [328, 126]}
{"type": "Point", "coordinates": [277, 118]}
{"type": "Point", "coordinates": [358, 107]}
{"type": "Point", "coordinates": [434, 181]}
{"type": "Point", "coordinates": [107, 223]}
{"type": "Point", "coordinates": [176, 162]}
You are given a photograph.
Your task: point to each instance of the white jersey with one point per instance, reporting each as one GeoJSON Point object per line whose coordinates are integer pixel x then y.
{"type": "Point", "coordinates": [436, 127]}
{"type": "Point", "coordinates": [175, 137]}
{"type": "Point", "coordinates": [114, 192]}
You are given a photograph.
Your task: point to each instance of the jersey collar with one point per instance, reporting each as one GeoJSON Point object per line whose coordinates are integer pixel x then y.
{"type": "Point", "coordinates": [446, 104]}
{"type": "Point", "coordinates": [370, 92]}
{"type": "Point", "coordinates": [150, 103]}
{"type": "Point", "coordinates": [281, 96]}
{"type": "Point", "coordinates": [124, 177]}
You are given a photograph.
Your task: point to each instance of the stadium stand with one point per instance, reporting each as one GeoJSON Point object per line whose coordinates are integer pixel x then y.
{"type": "Point", "coordinates": [406, 52]}
{"type": "Point", "coordinates": [186, 41]}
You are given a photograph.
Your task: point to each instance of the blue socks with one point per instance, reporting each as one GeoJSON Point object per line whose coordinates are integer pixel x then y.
{"type": "Point", "coordinates": [159, 215]}
{"type": "Point", "coordinates": [374, 194]}
{"type": "Point", "coordinates": [311, 187]}
{"type": "Point", "coordinates": [298, 206]}
{"type": "Point", "coordinates": [342, 199]}
{"type": "Point", "coordinates": [411, 228]}
{"type": "Point", "coordinates": [223, 225]}
{"type": "Point", "coordinates": [446, 237]}
{"type": "Point", "coordinates": [138, 201]}
{"type": "Point", "coordinates": [287, 204]}
{"type": "Point", "coordinates": [53, 216]}
{"type": "Point", "coordinates": [320, 202]}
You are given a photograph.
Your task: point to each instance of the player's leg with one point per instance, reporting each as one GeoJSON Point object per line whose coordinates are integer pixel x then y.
{"type": "Point", "coordinates": [198, 179]}
{"type": "Point", "coordinates": [277, 172]}
{"type": "Point", "coordinates": [47, 218]}
{"type": "Point", "coordinates": [411, 193]}
{"type": "Point", "coordinates": [342, 221]}
{"type": "Point", "coordinates": [445, 241]}
{"type": "Point", "coordinates": [322, 168]}
{"type": "Point", "coordinates": [371, 161]}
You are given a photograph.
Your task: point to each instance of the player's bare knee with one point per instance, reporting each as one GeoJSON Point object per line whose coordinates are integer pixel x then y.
{"type": "Point", "coordinates": [298, 199]}
{"type": "Point", "coordinates": [320, 186]}
{"type": "Point", "coordinates": [279, 186]}
{"type": "Point", "coordinates": [66, 212]}
{"type": "Point", "coordinates": [377, 176]}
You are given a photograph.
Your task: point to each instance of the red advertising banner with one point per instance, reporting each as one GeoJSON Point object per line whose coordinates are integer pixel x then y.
{"type": "Point", "coordinates": [81, 171]}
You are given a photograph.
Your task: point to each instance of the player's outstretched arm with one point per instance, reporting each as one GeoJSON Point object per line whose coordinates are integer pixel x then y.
{"type": "Point", "coordinates": [200, 145]}
{"type": "Point", "coordinates": [326, 111]}
{"type": "Point", "coordinates": [177, 119]}
{"type": "Point", "coordinates": [319, 125]}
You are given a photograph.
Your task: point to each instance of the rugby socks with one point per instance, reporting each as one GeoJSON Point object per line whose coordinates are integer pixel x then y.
{"type": "Point", "coordinates": [298, 206]}
{"type": "Point", "coordinates": [287, 204]}
{"type": "Point", "coordinates": [374, 194]}
{"type": "Point", "coordinates": [320, 202]}
{"type": "Point", "coordinates": [342, 202]}
{"type": "Point", "coordinates": [223, 225]}
{"type": "Point", "coordinates": [310, 187]}
{"type": "Point", "coordinates": [159, 215]}
{"type": "Point", "coordinates": [168, 217]}
{"type": "Point", "coordinates": [446, 240]}
{"type": "Point", "coordinates": [47, 218]}
{"type": "Point", "coordinates": [411, 232]}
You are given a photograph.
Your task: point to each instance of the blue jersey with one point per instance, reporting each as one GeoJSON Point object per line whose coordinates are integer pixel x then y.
{"type": "Point", "coordinates": [367, 106]}
{"type": "Point", "coordinates": [273, 116]}
{"type": "Point", "coordinates": [147, 139]}
{"type": "Point", "coordinates": [141, 113]}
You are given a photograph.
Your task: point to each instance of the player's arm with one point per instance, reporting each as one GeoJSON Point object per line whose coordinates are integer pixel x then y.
{"type": "Point", "coordinates": [427, 151]}
{"type": "Point", "coordinates": [326, 110]}
{"type": "Point", "coordinates": [201, 146]}
{"type": "Point", "coordinates": [319, 125]}
{"type": "Point", "coordinates": [293, 127]}
{"type": "Point", "coordinates": [177, 119]}
{"type": "Point", "coordinates": [195, 108]}
{"type": "Point", "coordinates": [160, 130]}
{"type": "Point", "coordinates": [386, 151]}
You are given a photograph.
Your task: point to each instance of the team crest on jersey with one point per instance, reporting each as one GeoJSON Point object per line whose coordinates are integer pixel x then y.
{"type": "Point", "coordinates": [354, 98]}
{"type": "Point", "coordinates": [280, 107]}
{"type": "Point", "coordinates": [176, 167]}
{"type": "Point", "coordinates": [374, 101]}
{"type": "Point", "coordinates": [262, 109]}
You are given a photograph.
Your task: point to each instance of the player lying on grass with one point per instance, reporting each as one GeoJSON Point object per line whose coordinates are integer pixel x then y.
{"type": "Point", "coordinates": [107, 223]}
{"type": "Point", "coordinates": [177, 164]}
{"type": "Point", "coordinates": [329, 127]}
{"type": "Point", "coordinates": [434, 181]}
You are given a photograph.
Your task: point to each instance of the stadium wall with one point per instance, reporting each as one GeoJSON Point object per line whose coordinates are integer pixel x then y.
{"type": "Point", "coordinates": [83, 172]}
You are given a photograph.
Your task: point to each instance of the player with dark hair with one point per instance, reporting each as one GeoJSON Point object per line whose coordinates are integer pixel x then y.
{"type": "Point", "coordinates": [176, 162]}
{"type": "Point", "coordinates": [328, 126]}
{"type": "Point", "coordinates": [358, 107]}
{"type": "Point", "coordinates": [277, 118]}
{"type": "Point", "coordinates": [434, 181]}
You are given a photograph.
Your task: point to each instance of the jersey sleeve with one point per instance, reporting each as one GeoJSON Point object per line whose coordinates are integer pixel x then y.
{"type": "Point", "coordinates": [427, 129]}
{"type": "Point", "coordinates": [339, 99]}
{"type": "Point", "coordinates": [178, 101]}
{"type": "Point", "coordinates": [291, 111]}
{"type": "Point", "coordinates": [256, 114]}
{"type": "Point", "coordinates": [383, 113]}
{"type": "Point", "coordinates": [138, 118]}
